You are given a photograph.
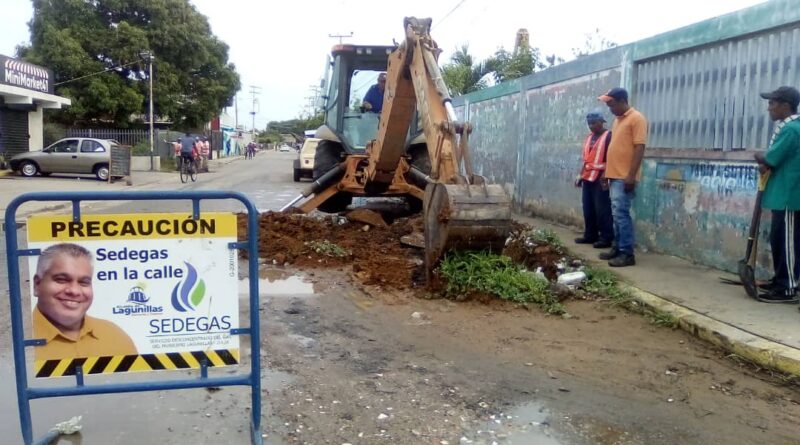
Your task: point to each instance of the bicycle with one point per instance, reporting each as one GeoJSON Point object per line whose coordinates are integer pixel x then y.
{"type": "Point", "coordinates": [188, 169]}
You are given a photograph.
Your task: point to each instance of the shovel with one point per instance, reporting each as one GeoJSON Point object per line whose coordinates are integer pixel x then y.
{"type": "Point", "coordinates": [747, 265]}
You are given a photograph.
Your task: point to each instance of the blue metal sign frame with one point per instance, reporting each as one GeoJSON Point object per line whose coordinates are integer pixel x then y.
{"type": "Point", "coordinates": [25, 393]}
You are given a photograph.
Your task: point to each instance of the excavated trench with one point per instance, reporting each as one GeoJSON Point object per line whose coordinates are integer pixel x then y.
{"type": "Point", "coordinates": [377, 252]}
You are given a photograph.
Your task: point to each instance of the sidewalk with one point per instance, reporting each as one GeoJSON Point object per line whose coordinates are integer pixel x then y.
{"type": "Point", "coordinates": [767, 334]}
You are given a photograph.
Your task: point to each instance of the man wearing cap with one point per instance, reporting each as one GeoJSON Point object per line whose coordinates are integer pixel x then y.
{"type": "Point", "coordinates": [373, 100]}
{"type": "Point", "coordinates": [781, 196]}
{"type": "Point", "coordinates": [623, 171]}
{"type": "Point", "coordinates": [598, 225]}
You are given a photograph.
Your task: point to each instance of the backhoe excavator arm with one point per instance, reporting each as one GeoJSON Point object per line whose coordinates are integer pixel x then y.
{"type": "Point", "coordinates": [413, 81]}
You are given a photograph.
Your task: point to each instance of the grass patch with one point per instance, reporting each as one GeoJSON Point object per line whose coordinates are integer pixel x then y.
{"type": "Point", "coordinates": [548, 237]}
{"type": "Point", "coordinates": [604, 283]}
{"type": "Point", "coordinates": [468, 272]}
{"type": "Point", "coordinates": [328, 248]}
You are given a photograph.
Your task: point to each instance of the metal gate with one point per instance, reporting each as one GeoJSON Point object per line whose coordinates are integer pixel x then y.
{"type": "Point", "coordinates": [13, 132]}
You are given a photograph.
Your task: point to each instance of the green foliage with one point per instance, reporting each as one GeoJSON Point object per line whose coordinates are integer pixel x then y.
{"type": "Point", "coordinates": [663, 319]}
{"type": "Point", "coordinates": [142, 148]}
{"type": "Point", "coordinates": [467, 272]}
{"type": "Point", "coordinates": [193, 79]}
{"type": "Point", "coordinates": [328, 248]}
{"type": "Point", "coordinates": [604, 283]}
{"type": "Point", "coordinates": [295, 126]}
{"type": "Point", "coordinates": [506, 65]}
{"type": "Point", "coordinates": [462, 75]}
{"type": "Point", "coordinates": [548, 237]}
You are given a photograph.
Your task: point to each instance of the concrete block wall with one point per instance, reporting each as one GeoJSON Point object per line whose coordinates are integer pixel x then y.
{"type": "Point", "coordinates": [696, 197]}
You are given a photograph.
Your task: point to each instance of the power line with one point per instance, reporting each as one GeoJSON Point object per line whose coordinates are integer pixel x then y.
{"type": "Point", "coordinates": [458, 5]}
{"type": "Point", "coordinates": [99, 72]}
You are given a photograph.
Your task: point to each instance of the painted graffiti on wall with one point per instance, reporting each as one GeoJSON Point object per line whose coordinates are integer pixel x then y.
{"type": "Point", "coordinates": [725, 179]}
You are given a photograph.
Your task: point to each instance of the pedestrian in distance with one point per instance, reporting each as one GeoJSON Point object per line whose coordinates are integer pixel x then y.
{"type": "Point", "coordinates": [598, 224]}
{"type": "Point", "coordinates": [782, 194]}
{"type": "Point", "coordinates": [62, 286]}
{"type": "Point", "coordinates": [623, 172]}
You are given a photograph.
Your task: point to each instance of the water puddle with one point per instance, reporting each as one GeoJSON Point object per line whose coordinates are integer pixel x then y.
{"type": "Point", "coordinates": [526, 424]}
{"type": "Point", "coordinates": [276, 282]}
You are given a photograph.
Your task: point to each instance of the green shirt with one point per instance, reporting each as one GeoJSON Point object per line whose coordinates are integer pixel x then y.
{"type": "Point", "coordinates": [783, 156]}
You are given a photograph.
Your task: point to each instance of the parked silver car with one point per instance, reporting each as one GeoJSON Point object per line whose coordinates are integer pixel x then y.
{"type": "Point", "coordinates": [69, 155]}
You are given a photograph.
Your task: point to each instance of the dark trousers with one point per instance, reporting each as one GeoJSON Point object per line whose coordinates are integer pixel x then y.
{"type": "Point", "coordinates": [784, 238]}
{"type": "Point", "coordinates": [597, 220]}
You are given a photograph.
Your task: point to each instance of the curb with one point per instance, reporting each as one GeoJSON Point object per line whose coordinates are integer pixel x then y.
{"type": "Point", "coordinates": [757, 349]}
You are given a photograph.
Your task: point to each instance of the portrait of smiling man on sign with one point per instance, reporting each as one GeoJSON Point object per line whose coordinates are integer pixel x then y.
{"type": "Point", "coordinates": [62, 288]}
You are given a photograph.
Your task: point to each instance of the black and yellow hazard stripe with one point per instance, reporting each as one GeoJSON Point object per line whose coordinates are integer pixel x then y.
{"type": "Point", "coordinates": [136, 363]}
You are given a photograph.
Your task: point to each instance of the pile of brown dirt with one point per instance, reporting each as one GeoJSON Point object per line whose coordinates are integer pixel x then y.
{"type": "Point", "coordinates": [375, 253]}
{"type": "Point", "coordinates": [533, 253]}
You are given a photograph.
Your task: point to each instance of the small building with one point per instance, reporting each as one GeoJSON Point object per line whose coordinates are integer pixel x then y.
{"type": "Point", "coordinates": [26, 90]}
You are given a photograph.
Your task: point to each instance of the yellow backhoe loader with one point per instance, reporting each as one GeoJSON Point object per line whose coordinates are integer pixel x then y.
{"type": "Point", "coordinates": [415, 147]}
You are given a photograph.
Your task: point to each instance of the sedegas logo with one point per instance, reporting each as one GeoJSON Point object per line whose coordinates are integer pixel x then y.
{"type": "Point", "coordinates": [186, 297]}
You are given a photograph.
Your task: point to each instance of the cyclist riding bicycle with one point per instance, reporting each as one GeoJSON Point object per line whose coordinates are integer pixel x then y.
{"type": "Point", "coordinates": [188, 150]}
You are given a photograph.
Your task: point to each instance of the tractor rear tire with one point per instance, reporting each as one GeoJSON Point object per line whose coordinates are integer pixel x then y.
{"type": "Point", "coordinates": [327, 156]}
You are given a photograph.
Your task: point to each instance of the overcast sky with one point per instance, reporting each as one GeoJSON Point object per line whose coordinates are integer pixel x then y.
{"type": "Point", "coordinates": [280, 47]}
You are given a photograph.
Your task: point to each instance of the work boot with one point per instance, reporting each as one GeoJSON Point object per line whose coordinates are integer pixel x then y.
{"type": "Point", "coordinates": [613, 253]}
{"type": "Point", "coordinates": [602, 244]}
{"type": "Point", "coordinates": [584, 240]}
{"type": "Point", "coordinates": [768, 285]}
{"type": "Point", "coordinates": [776, 295]}
{"type": "Point", "coordinates": [622, 260]}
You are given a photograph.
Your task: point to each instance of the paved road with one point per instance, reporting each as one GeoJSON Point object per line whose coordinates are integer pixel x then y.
{"type": "Point", "coordinates": [352, 364]}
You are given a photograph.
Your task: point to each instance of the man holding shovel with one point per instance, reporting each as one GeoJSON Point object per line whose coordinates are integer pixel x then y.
{"type": "Point", "coordinates": [782, 194]}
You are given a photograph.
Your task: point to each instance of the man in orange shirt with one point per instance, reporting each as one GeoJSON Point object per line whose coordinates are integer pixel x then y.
{"type": "Point", "coordinates": [623, 171]}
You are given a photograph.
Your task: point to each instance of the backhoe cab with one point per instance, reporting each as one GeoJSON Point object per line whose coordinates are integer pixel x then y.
{"type": "Point", "coordinates": [415, 147]}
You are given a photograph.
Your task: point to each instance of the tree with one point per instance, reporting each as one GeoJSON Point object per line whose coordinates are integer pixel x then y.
{"type": "Point", "coordinates": [594, 42]}
{"type": "Point", "coordinates": [462, 75]}
{"type": "Point", "coordinates": [523, 61]}
{"type": "Point", "coordinates": [76, 38]}
{"type": "Point", "coordinates": [553, 60]}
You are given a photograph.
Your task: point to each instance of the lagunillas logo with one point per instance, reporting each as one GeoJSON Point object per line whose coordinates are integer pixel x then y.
{"type": "Point", "coordinates": [188, 294]}
{"type": "Point", "coordinates": [137, 304]}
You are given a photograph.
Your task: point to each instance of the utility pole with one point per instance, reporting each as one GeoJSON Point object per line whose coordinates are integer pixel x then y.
{"type": "Point", "coordinates": [149, 58]}
{"type": "Point", "coordinates": [236, 112]}
{"type": "Point", "coordinates": [254, 91]}
{"type": "Point", "coordinates": [341, 36]}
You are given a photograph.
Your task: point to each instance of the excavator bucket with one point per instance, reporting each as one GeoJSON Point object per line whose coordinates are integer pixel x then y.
{"type": "Point", "coordinates": [464, 217]}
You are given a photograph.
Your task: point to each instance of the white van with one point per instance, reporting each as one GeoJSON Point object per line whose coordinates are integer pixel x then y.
{"type": "Point", "coordinates": [304, 164]}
